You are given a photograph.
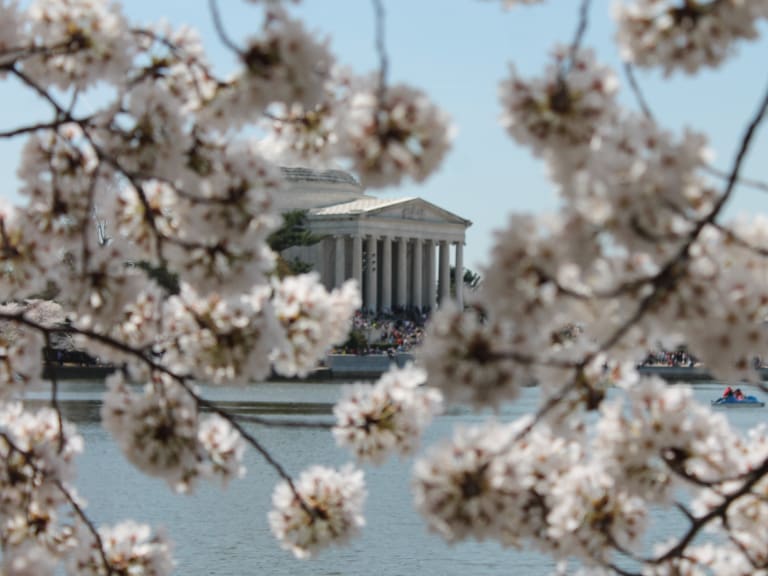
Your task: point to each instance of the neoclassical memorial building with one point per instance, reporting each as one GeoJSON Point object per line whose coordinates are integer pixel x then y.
{"type": "Point", "coordinates": [398, 249]}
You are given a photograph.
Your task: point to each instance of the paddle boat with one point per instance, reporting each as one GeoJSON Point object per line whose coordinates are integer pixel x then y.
{"type": "Point", "coordinates": [732, 402]}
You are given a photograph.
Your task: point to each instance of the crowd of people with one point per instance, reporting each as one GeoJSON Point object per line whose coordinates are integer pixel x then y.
{"type": "Point", "coordinates": [669, 358]}
{"type": "Point", "coordinates": [399, 330]}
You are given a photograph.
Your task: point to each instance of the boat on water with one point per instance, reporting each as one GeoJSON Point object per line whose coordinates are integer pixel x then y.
{"type": "Point", "coordinates": [732, 402]}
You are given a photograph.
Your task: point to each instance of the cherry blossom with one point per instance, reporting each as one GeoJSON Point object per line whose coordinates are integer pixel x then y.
{"type": "Point", "coordinates": [465, 358]}
{"type": "Point", "coordinates": [157, 430]}
{"type": "Point", "coordinates": [147, 216]}
{"type": "Point", "coordinates": [19, 365]}
{"type": "Point", "coordinates": [389, 416]}
{"type": "Point", "coordinates": [129, 548]}
{"type": "Point", "coordinates": [286, 64]}
{"type": "Point", "coordinates": [312, 319]}
{"type": "Point", "coordinates": [454, 485]}
{"type": "Point", "coordinates": [561, 110]}
{"type": "Point", "coordinates": [682, 35]}
{"type": "Point", "coordinates": [391, 133]}
{"type": "Point", "coordinates": [326, 508]}
{"type": "Point", "coordinates": [83, 41]}
{"type": "Point", "coordinates": [221, 339]}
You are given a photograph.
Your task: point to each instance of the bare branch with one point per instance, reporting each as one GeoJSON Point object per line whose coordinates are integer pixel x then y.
{"type": "Point", "coordinates": [39, 126]}
{"type": "Point", "coordinates": [733, 176]}
{"type": "Point", "coordinates": [629, 72]}
{"type": "Point", "coordinates": [381, 48]}
{"type": "Point", "coordinates": [750, 182]}
{"type": "Point", "coordinates": [223, 36]}
{"type": "Point", "coordinates": [578, 36]}
{"type": "Point", "coordinates": [54, 396]}
{"type": "Point", "coordinates": [29, 459]}
{"type": "Point", "coordinates": [183, 380]}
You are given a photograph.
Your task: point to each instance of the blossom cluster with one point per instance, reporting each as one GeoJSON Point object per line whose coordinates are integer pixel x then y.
{"type": "Point", "coordinates": [36, 476]}
{"type": "Point", "coordinates": [324, 507]}
{"type": "Point", "coordinates": [390, 416]}
{"type": "Point", "coordinates": [312, 319]}
{"type": "Point", "coordinates": [162, 433]}
{"type": "Point", "coordinates": [683, 35]}
{"type": "Point", "coordinates": [146, 214]}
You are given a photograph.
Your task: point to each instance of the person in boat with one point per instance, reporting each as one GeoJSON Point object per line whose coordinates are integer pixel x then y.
{"type": "Point", "coordinates": [738, 394]}
{"type": "Point", "coordinates": [728, 392]}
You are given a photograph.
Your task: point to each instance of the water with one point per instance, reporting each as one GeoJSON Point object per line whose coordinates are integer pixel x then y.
{"type": "Point", "coordinates": [225, 532]}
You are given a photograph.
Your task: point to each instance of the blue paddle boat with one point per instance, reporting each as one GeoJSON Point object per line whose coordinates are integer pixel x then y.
{"type": "Point", "coordinates": [732, 402]}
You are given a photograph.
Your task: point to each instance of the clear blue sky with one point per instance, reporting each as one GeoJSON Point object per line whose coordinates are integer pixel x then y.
{"type": "Point", "coordinates": [458, 51]}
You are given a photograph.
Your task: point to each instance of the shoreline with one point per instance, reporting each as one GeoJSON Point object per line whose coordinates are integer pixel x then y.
{"type": "Point", "coordinates": [372, 366]}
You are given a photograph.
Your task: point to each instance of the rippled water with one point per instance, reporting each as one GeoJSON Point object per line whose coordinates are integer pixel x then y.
{"type": "Point", "coordinates": [225, 531]}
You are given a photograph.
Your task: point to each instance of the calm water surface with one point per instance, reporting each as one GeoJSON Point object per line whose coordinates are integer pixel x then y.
{"type": "Point", "coordinates": [225, 532]}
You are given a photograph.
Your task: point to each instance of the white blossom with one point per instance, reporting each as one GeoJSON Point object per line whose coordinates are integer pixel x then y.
{"type": "Point", "coordinates": [454, 485]}
{"type": "Point", "coordinates": [157, 430]}
{"type": "Point", "coordinates": [129, 548]}
{"type": "Point", "coordinates": [20, 351]}
{"type": "Point", "coordinates": [22, 265]}
{"type": "Point", "coordinates": [512, 3]}
{"type": "Point", "coordinates": [387, 416]}
{"type": "Point", "coordinates": [683, 35]}
{"type": "Point", "coordinates": [663, 436]}
{"type": "Point", "coordinates": [28, 559]}
{"type": "Point", "coordinates": [221, 339]}
{"type": "Point", "coordinates": [11, 29]}
{"type": "Point", "coordinates": [590, 514]}
{"type": "Point", "coordinates": [312, 319]}
{"type": "Point", "coordinates": [149, 215]}
{"type": "Point", "coordinates": [563, 109]}
{"type": "Point", "coordinates": [162, 433]}
{"type": "Point", "coordinates": [470, 360]}
{"type": "Point", "coordinates": [327, 508]}
{"type": "Point", "coordinates": [80, 41]}
{"type": "Point", "coordinates": [392, 133]}
{"type": "Point", "coordinates": [286, 64]}
{"type": "Point", "coordinates": [223, 448]}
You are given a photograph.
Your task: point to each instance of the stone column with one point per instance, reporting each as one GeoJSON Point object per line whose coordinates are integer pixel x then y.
{"type": "Point", "coordinates": [340, 263]}
{"type": "Point", "coordinates": [402, 271]}
{"type": "Point", "coordinates": [445, 272]}
{"type": "Point", "coordinates": [370, 288]}
{"type": "Point", "coordinates": [386, 273]}
{"type": "Point", "coordinates": [357, 262]}
{"type": "Point", "coordinates": [418, 271]}
{"type": "Point", "coordinates": [431, 279]}
{"type": "Point", "coordinates": [459, 275]}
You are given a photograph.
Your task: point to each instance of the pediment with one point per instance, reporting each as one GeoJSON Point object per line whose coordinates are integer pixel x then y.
{"type": "Point", "coordinates": [418, 210]}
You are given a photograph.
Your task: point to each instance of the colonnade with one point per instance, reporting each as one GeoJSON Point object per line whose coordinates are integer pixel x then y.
{"type": "Point", "coordinates": [414, 273]}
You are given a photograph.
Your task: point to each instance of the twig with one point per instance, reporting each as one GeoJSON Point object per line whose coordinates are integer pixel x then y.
{"type": "Point", "coordinates": [381, 89]}
{"type": "Point", "coordinates": [381, 48]}
{"type": "Point", "coordinates": [578, 36]}
{"type": "Point", "coordinates": [183, 381]}
{"type": "Point", "coordinates": [91, 528]}
{"type": "Point", "coordinates": [750, 182]}
{"type": "Point", "coordinates": [255, 444]}
{"type": "Point", "coordinates": [54, 395]}
{"type": "Point", "coordinates": [219, 25]}
{"type": "Point", "coordinates": [29, 458]}
{"type": "Point", "coordinates": [629, 71]}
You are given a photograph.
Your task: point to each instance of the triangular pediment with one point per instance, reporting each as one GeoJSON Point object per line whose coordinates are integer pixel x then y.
{"type": "Point", "coordinates": [419, 210]}
{"type": "Point", "coordinates": [410, 209]}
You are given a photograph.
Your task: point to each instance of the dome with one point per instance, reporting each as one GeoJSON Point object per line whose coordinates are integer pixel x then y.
{"type": "Point", "coordinates": [298, 174]}
{"type": "Point", "coordinates": [307, 188]}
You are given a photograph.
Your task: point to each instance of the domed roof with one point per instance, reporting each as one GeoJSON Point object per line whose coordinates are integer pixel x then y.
{"type": "Point", "coordinates": [297, 174]}
{"type": "Point", "coordinates": [308, 188]}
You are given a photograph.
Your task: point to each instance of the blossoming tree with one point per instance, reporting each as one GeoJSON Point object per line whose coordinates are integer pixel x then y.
{"type": "Point", "coordinates": [638, 253]}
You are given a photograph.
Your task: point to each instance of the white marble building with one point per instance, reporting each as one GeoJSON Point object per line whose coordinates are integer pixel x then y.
{"type": "Point", "coordinates": [398, 249]}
